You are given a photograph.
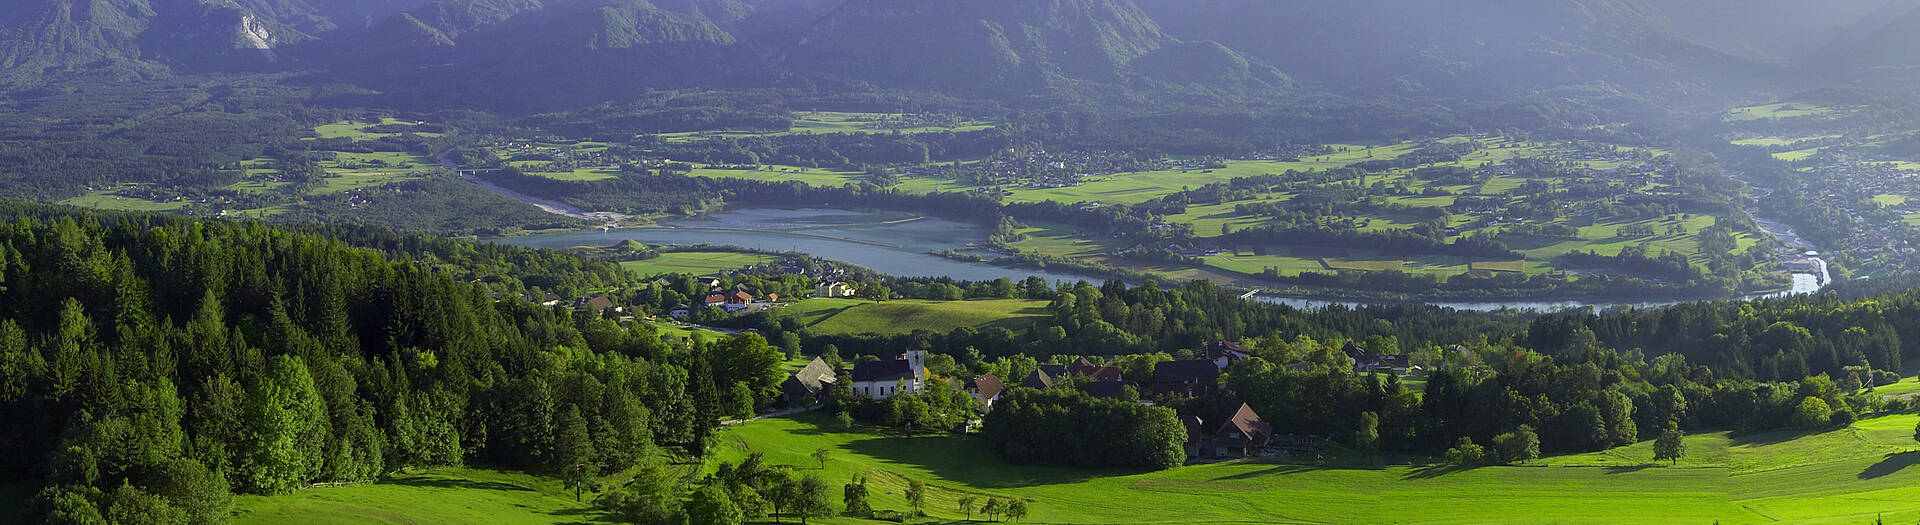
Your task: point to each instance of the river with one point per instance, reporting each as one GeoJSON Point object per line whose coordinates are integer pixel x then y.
{"type": "Point", "coordinates": [898, 244]}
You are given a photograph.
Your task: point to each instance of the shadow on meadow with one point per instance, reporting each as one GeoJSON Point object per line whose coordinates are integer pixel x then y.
{"type": "Point", "coordinates": [586, 516]}
{"type": "Point", "coordinates": [1434, 471]}
{"type": "Point", "coordinates": [1276, 470]}
{"type": "Point", "coordinates": [1890, 464]}
{"type": "Point", "coordinates": [1768, 437]}
{"type": "Point", "coordinates": [458, 483]}
{"type": "Point", "coordinates": [966, 460]}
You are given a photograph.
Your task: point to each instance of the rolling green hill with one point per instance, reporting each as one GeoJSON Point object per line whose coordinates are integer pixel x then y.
{"type": "Point", "coordinates": [1844, 476]}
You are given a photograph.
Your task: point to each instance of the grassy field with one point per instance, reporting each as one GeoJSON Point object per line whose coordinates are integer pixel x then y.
{"type": "Point", "coordinates": [106, 200]}
{"type": "Point", "coordinates": [1779, 111]}
{"type": "Point", "coordinates": [357, 130]}
{"type": "Point", "coordinates": [820, 122]}
{"type": "Point", "coordinates": [698, 263]}
{"type": "Point", "coordinates": [1844, 476]}
{"type": "Point", "coordinates": [1851, 475]}
{"type": "Point", "coordinates": [450, 496]}
{"type": "Point", "coordinates": [854, 316]}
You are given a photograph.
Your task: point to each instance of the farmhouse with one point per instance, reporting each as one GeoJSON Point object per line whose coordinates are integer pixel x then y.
{"type": "Point", "coordinates": [1225, 353]}
{"type": "Point", "coordinates": [716, 299]}
{"type": "Point", "coordinates": [805, 387]}
{"type": "Point", "coordinates": [985, 388]}
{"type": "Point", "coordinates": [593, 304]}
{"type": "Point", "coordinates": [1241, 435]}
{"type": "Point", "coordinates": [1093, 373]}
{"type": "Point", "coordinates": [739, 297]}
{"type": "Point", "coordinates": [1190, 378]}
{"type": "Point", "coordinates": [1196, 435]}
{"type": "Point", "coordinates": [1365, 362]}
{"type": "Point", "coordinates": [1054, 371]}
{"type": "Point", "coordinates": [832, 289]}
{"type": "Point", "coordinates": [680, 311]}
{"type": "Point", "coordinates": [1038, 379]}
{"type": "Point", "coordinates": [1105, 389]}
{"type": "Point", "coordinates": [884, 379]}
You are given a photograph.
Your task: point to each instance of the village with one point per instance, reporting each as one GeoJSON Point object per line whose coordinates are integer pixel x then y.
{"type": "Point", "coordinates": [1245, 434]}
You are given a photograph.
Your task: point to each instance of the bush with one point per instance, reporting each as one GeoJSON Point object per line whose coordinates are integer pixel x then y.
{"type": "Point", "coordinates": [1840, 418]}
{"type": "Point", "coordinates": [1812, 414]}
{"type": "Point", "coordinates": [1466, 454]}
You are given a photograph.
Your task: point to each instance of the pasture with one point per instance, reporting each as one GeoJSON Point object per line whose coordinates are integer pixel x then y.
{"type": "Point", "coordinates": [697, 263]}
{"type": "Point", "coordinates": [107, 200]}
{"type": "Point", "coordinates": [823, 122]}
{"type": "Point", "coordinates": [448, 495]}
{"type": "Point", "coordinates": [1782, 110]}
{"type": "Point", "coordinates": [854, 316]}
{"type": "Point", "coordinates": [1850, 475]}
{"type": "Point", "coordinates": [1843, 476]}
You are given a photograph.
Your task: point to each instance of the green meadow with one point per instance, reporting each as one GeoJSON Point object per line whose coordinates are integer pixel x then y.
{"type": "Point", "coordinates": [1850, 475]}
{"type": "Point", "coordinates": [106, 200]}
{"type": "Point", "coordinates": [450, 496]}
{"type": "Point", "coordinates": [823, 122]}
{"type": "Point", "coordinates": [1779, 111]}
{"type": "Point", "coordinates": [856, 316]}
{"type": "Point", "coordinates": [1843, 476]}
{"type": "Point", "coordinates": [348, 129]}
{"type": "Point", "coordinates": [698, 263]}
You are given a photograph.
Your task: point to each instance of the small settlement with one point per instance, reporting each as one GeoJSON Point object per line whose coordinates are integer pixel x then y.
{"type": "Point", "coordinates": [1241, 433]}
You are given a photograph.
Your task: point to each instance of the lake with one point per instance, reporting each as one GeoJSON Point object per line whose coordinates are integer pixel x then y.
{"type": "Point", "coordinates": [898, 244]}
{"type": "Point", "coordinates": [890, 243]}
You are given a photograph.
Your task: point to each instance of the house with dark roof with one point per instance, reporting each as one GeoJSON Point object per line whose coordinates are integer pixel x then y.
{"type": "Point", "coordinates": [1242, 435]}
{"type": "Point", "coordinates": [1039, 379]}
{"type": "Point", "coordinates": [885, 379]}
{"type": "Point", "coordinates": [1196, 435]}
{"type": "Point", "coordinates": [1189, 378]}
{"type": "Point", "coordinates": [1365, 362]}
{"type": "Point", "coordinates": [1225, 353]}
{"type": "Point", "coordinates": [1091, 372]}
{"type": "Point", "coordinates": [1054, 371]}
{"type": "Point", "coordinates": [1105, 389]}
{"type": "Point", "coordinates": [986, 388]}
{"type": "Point", "coordinates": [806, 386]}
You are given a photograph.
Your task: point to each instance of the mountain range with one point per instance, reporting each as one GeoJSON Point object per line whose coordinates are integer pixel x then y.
{"type": "Point", "coordinates": [556, 53]}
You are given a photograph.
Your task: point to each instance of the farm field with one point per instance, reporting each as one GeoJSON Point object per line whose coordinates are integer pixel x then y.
{"type": "Point", "coordinates": [106, 200]}
{"type": "Point", "coordinates": [358, 130]}
{"type": "Point", "coordinates": [820, 122]}
{"type": "Point", "coordinates": [698, 263]}
{"type": "Point", "coordinates": [1779, 111]}
{"type": "Point", "coordinates": [855, 316]}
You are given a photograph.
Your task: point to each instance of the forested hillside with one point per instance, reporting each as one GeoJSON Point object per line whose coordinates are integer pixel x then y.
{"type": "Point", "coordinates": [152, 367]}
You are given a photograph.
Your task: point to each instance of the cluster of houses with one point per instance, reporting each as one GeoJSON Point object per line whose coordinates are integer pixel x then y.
{"type": "Point", "coordinates": [1244, 434]}
{"type": "Point", "coordinates": [736, 301]}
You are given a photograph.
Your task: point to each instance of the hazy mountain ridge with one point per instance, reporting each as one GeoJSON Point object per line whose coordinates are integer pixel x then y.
{"type": "Point", "coordinates": [1480, 48]}
{"type": "Point", "coordinates": [1003, 49]}
{"type": "Point", "coordinates": [1884, 52]}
